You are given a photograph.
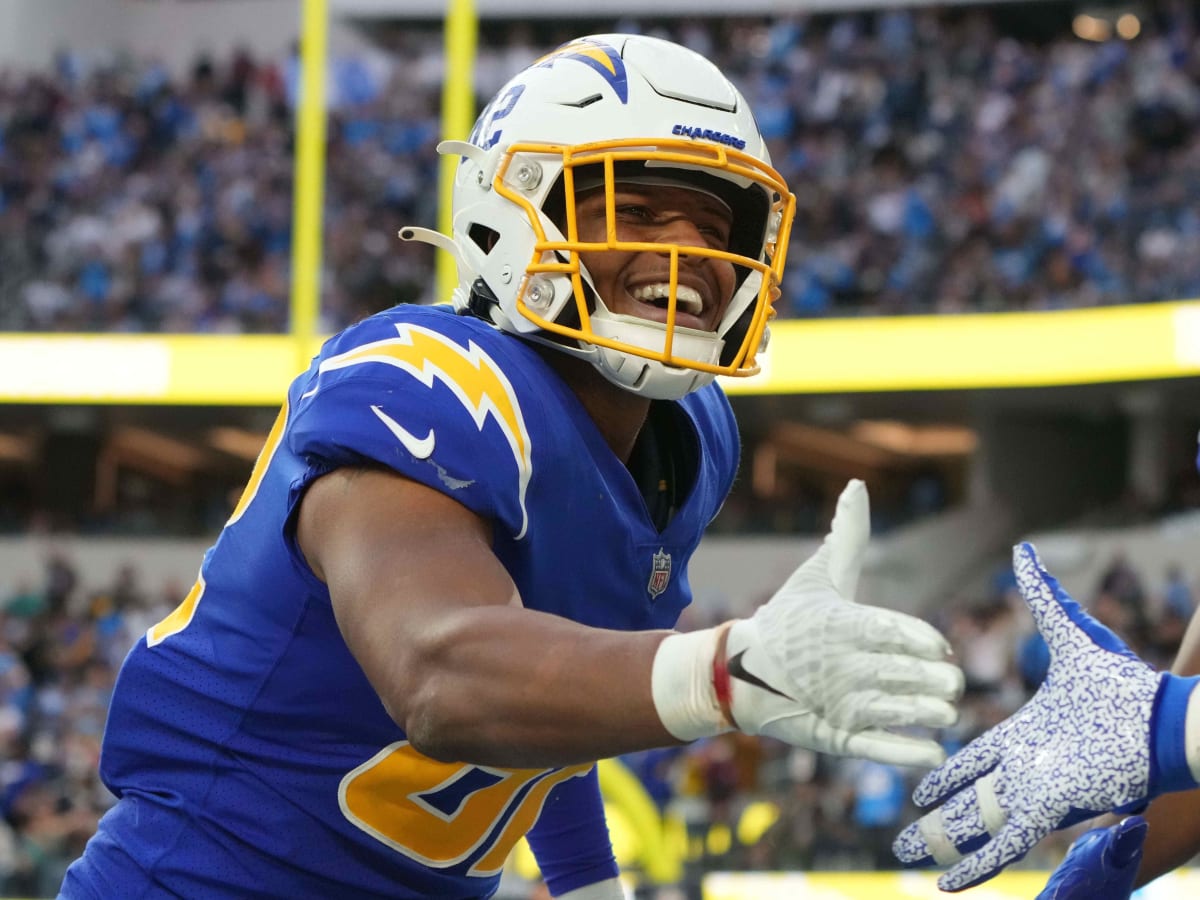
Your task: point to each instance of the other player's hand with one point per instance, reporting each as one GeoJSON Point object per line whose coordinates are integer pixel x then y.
{"type": "Point", "coordinates": [1104, 732]}
{"type": "Point", "coordinates": [814, 668]}
{"type": "Point", "coordinates": [1100, 865]}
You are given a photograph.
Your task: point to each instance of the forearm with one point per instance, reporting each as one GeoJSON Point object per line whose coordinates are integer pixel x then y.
{"type": "Point", "coordinates": [508, 686]}
{"type": "Point", "coordinates": [1174, 836]}
{"type": "Point", "coordinates": [1174, 819]}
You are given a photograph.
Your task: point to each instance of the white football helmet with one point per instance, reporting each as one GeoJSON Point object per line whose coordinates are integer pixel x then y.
{"type": "Point", "coordinates": [598, 110]}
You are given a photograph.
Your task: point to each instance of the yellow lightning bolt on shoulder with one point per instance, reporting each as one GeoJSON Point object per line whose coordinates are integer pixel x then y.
{"type": "Point", "coordinates": [472, 376]}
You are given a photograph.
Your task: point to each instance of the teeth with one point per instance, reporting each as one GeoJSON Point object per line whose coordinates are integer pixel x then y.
{"type": "Point", "coordinates": [688, 299]}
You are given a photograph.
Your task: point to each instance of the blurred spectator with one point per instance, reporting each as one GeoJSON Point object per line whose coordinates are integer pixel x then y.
{"type": "Point", "coordinates": [1177, 593]}
{"type": "Point", "coordinates": [880, 800]}
{"type": "Point", "coordinates": [1121, 602]}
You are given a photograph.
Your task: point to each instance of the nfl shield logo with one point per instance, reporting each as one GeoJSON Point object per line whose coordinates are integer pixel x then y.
{"type": "Point", "coordinates": [660, 574]}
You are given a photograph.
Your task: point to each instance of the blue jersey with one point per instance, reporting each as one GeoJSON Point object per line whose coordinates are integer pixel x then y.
{"type": "Point", "coordinates": [250, 754]}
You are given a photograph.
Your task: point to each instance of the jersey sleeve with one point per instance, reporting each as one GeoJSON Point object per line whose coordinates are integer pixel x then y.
{"type": "Point", "coordinates": [570, 839]}
{"type": "Point", "coordinates": [430, 404]}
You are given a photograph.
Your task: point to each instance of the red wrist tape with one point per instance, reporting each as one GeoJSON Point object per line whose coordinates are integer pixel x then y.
{"type": "Point", "coordinates": [720, 676]}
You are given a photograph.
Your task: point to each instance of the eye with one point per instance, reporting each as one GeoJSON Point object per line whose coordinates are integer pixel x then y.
{"type": "Point", "coordinates": [634, 211]}
{"type": "Point", "coordinates": [717, 233]}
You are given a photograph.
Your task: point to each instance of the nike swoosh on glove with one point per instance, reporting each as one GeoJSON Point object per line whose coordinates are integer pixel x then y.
{"type": "Point", "coordinates": [1104, 732]}
{"type": "Point", "coordinates": [814, 668]}
{"type": "Point", "coordinates": [1101, 864]}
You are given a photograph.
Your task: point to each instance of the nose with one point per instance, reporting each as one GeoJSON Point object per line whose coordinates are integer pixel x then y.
{"type": "Point", "coordinates": [680, 229]}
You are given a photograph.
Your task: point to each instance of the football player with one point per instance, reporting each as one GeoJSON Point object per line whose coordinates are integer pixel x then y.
{"type": "Point", "coordinates": [450, 584]}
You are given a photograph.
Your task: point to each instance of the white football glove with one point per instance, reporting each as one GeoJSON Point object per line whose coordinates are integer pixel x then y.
{"type": "Point", "coordinates": [812, 667]}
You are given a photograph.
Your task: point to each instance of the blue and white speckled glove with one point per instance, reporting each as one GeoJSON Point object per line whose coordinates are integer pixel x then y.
{"type": "Point", "coordinates": [1104, 732]}
{"type": "Point", "coordinates": [1100, 865]}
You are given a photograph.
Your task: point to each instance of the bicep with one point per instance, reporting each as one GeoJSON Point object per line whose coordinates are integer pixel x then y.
{"type": "Point", "coordinates": [398, 558]}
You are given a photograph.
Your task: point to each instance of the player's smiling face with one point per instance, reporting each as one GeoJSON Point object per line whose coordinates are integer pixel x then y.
{"type": "Point", "coordinates": [637, 283]}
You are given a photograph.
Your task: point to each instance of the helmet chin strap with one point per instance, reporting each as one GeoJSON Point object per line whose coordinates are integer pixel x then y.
{"type": "Point", "coordinates": [648, 377]}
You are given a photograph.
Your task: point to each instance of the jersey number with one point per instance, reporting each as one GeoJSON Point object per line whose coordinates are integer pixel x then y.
{"type": "Point", "coordinates": [441, 814]}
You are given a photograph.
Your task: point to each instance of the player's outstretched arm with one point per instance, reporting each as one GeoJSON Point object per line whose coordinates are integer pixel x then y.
{"type": "Point", "coordinates": [1173, 819]}
{"type": "Point", "coordinates": [1104, 732]}
{"type": "Point", "coordinates": [812, 667]}
{"type": "Point", "coordinates": [434, 620]}
{"type": "Point", "coordinates": [1100, 865]}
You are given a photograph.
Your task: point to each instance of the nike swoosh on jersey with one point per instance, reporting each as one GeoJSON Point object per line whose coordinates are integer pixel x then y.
{"type": "Point", "coordinates": [421, 448]}
{"type": "Point", "coordinates": [737, 669]}
{"type": "Point", "coordinates": [476, 380]}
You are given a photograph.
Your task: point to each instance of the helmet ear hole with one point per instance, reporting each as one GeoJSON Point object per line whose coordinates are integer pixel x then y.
{"type": "Point", "coordinates": [485, 238]}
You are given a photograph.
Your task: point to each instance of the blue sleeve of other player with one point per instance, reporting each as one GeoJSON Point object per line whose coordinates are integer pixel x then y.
{"type": "Point", "coordinates": [1101, 864]}
{"type": "Point", "coordinates": [570, 839]}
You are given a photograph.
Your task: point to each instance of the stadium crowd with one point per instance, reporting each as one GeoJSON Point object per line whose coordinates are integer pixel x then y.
{"type": "Point", "coordinates": [741, 802]}
{"type": "Point", "coordinates": [941, 164]}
